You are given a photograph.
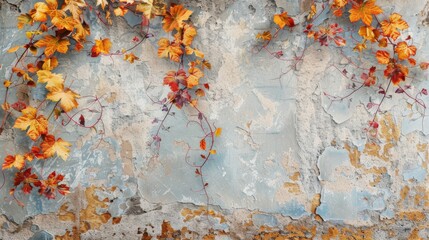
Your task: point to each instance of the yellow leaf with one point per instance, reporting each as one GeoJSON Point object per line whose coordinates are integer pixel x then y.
{"type": "Point", "coordinates": [53, 44]}
{"type": "Point", "coordinates": [50, 147]}
{"type": "Point", "coordinates": [66, 97]}
{"type": "Point", "coordinates": [120, 11]}
{"type": "Point", "coordinates": [74, 7]}
{"type": "Point", "coordinates": [24, 19]}
{"type": "Point", "coordinates": [313, 11]}
{"type": "Point", "coordinates": [266, 36]}
{"type": "Point", "coordinates": [17, 161]}
{"type": "Point", "coordinates": [367, 32]}
{"type": "Point", "coordinates": [7, 83]}
{"type": "Point", "coordinates": [364, 12]}
{"type": "Point", "coordinates": [194, 76]}
{"type": "Point", "coordinates": [218, 132]}
{"type": "Point", "coordinates": [33, 124]}
{"type": "Point", "coordinates": [39, 12]}
{"type": "Point", "coordinates": [13, 49]}
{"type": "Point", "coordinates": [174, 18]}
{"type": "Point", "coordinates": [103, 3]}
{"type": "Point", "coordinates": [195, 51]}
{"type": "Point", "coordinates": [68, 23]}
{"type": "Point", "coordinates": [151, 8]}
{"type": "Point", "coordinates": [189, 33]}
{"type": "Point", "coordinates": [173, 50]}
{"type": "Point", "coordinates": [54, 81]}
{"type": "Point", "coordinates": [130, 57]}
{"type": "Point", "coordinates": [213, 151]}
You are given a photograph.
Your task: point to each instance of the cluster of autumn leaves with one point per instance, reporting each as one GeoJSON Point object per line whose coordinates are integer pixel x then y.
{"type": "Point", "coordinates": [60, 28]}
{"type": "Point", "coordinates": [385, 34]}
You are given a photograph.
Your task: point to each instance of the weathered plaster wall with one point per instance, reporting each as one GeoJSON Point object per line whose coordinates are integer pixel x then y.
{"type": "Point", "coordinates": [290, 164]}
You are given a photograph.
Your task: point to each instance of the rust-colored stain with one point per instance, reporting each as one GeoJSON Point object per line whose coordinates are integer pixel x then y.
{"type": "Point", "coordinates": [315, 203]}
{"type": "Point", "coordinates": [415, 235]}
{"type": "Point", "coordinates": [88, 218]}
{"type": "Point", "coordinates": [292, 187]}
{"type": "Point", "coordinates": [295, 176]}
{"type": "Point", "coordinates": [389, 133]}
{"type": "Point", "coordinates": [69, 235]}
{"type": "Point", "coordinates": [331, 234]}
{"type": "Point", "coordinates": [354, 155]}
{"type": "Point", "coordinates": [191, 214]}
{"type": "Point", "coordinates": [377, 173]}
{"type": "Point", "coordinates": [116, 220]}
{"type": "Point", "coordinates": [415, 216]}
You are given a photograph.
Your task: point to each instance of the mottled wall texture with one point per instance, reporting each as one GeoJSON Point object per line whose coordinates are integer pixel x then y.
{"type": "Point", "coordinates": [290, 163]}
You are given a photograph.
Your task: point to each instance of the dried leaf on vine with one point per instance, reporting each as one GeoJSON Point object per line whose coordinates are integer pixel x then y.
{"type": "Point", "coordinates": [383, 57]}
{"type": "Point", "coordinates": [173, 79]}
{"type": "Point", "coordinates": [151, 8]}
{"type": "Point", "coordinates": [392, 26]}
{"type": "Point", "coordinates": [101, 46]}
{"type": "Point", "coordinates": [103, 3]}
{"type": "Point", "coordinates": [130, 57]}
{"type": "Point", "coordinates": [396, 72]}
{"type": "Point", "coordinates": [24, 19]}
{"type": "Point", "coordinates": [33, 124]}
{"type": "Point", "coordinates": [265, 36]}
{"type": "Point", "coordinates": [50, 147]}
{"type": "Point", "coordinates": [283, 20]}
{"type": "Point", "coordinates": [66, 96]}
{"type": "Point", "coordinates": [53, 44]}
{"type": "Point", "coordinates": [39, 12]}
{"type": "Point", "coordinates": [195, 51]}
{"type": "Point", "coordinates": [218, 132]}
{"type": "Point", "coordinates": [50, 185]}
{"type": "Point", "coordinates": [62, 22]}
{"type": "Point", "coordinates": [369, 33]}
{"type": "Point", "coordinates": [404, 51]}
{"type": "Point", "coordinates": [364, 11]}
{"type": "Point", "coordinates": [174, 17]}
{"type": "Point", "coordinates": [53, 81]}
{"type": "Point", "coordinates": [17, 161]}
{"type": "Point", "coordinates": [194, 76]}
{"type": "Point", "coordinates": [171, 50]}
{"type": "Point", "coordinates": [27, 178]}
{"type": "Point", "coordinates": [189, 32]}
{"type": "Point", "coordinates": [74, 7]}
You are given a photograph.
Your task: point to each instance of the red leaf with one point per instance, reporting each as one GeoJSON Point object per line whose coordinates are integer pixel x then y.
{"type": "Point", "coordinates": [82, 120]}
{"type": "Point", "coordinates": [203, 144]}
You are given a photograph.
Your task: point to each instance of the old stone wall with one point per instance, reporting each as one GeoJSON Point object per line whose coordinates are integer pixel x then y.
{"type": "Point", "coordinates": [290, 163]}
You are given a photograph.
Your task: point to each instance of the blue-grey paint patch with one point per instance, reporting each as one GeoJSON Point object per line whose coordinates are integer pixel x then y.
{"type": "Point", "coordinates": [264, 219]}
{"type": "Point", "coordinates": [330, 159]}
{"type": "Point", "coordinates": [42, 235]}
{"type": "Point", "coordinates": [387, 214]}
{"type": "Point", "coordinates": [294, 210]}
{"type": "Point", "coordinates": [418, 173]}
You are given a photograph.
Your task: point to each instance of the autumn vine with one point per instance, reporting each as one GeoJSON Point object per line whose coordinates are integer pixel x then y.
{"type": "Point", "coordinates": [53, 29]}
{"type": "Point", "coordinates": [381, 37]}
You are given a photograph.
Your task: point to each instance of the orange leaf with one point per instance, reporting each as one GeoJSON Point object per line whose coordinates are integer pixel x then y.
{"type": "Point", "coordinates": [130, 57]}
{"type": "Point", "coordinates": [50, 147]}
{"type": "Point", "coordinates": [213, 151]}
{"type": "Point", "coordinates": [174, 18]}
{"type": "Point", "coordinates": [200, 92]}
{"type": "Point", "coordinates": [218, 132]}
{"type": "Point", "coordinates": [404, 51]}
{"type": "Point", "coordinates": [266, 36]}
{"type": "Point", "coordinates": [194, 76]}
{"type": "Point", "coordinates": [66, 97]}
{"type": "Point", "coordinates": [396, 72]}
{"type": "Point", "coordinates": [39, 12]}
{"type": "Point", "coordinates": [120, 11]}
{"type": "Point", "coordinates": [17, 161]}
{"type": "Point", "coordinates": [53, 44]}
{"type": "Point", "coordinates": [283, 20]}
{"type": "Point", "coordinates": [367, 32]}
{"type": "Point", "coordinates": [424, 65]}
{"type": "Point", "coordinates": [203, 144]}
{"type": "Point", "coordinates": [391, 28]}
{"type": "Point", "coordinates": [364, 12]}
{"type": "Point", "coordinates": [33, 124]}
{"type": "Point", "coordinates": [74, 7]}
{"type": "Point", "coordinates": [195, 51]}
{"type": "Point", "coordinates": [189, 33]}
{"type": "Point", "coordinates": [13, 49]}
{"type": "Point", "coordinates": [383, 57]}
{"type": "Point", "coordinates": [166, 49]}
{"type": "Point", "coordinates": [101, 46]}
{"type": "Point", "coordinates": [62, 22]}
{"type": "Point", "coordinates": [24, 19]}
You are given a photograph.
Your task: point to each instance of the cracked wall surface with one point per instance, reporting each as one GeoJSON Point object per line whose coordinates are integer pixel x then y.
{"type": "Point", "coordinates": [290, 164]}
